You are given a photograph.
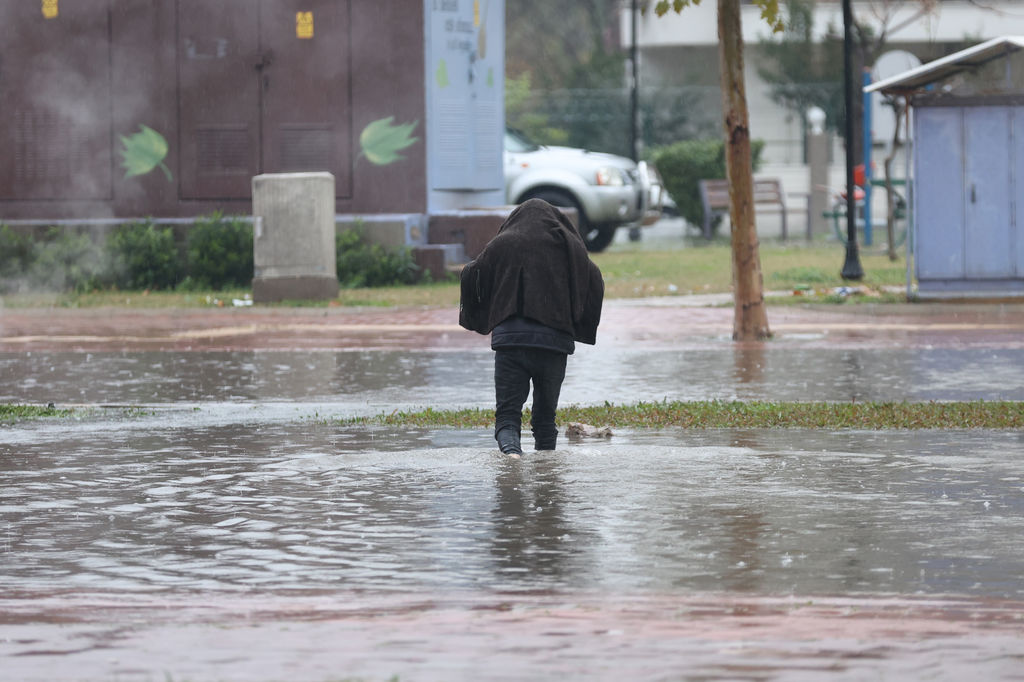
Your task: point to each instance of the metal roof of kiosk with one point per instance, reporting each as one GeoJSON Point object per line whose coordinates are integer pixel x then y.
{"type": "Point", "coordinates": [939, 69]}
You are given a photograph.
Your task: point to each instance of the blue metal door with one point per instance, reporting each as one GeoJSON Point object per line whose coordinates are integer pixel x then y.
{"type": "Point", "coordinates": [1017, 197]}
{"type": "Point", "coordinates": [939, 193]}
{"type": "Point", "coordinates": [989, 247]}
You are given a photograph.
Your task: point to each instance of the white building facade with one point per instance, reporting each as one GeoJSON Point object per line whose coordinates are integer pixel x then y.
{"type": "Point", "coordinates": [682, 50]}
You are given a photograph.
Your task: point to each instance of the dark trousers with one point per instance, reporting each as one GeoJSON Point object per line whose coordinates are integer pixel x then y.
{"type": "Point", "coordinates": [514, 369]}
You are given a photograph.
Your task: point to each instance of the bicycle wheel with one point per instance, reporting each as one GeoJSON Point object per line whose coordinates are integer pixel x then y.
{"type": "Point", "coordinates": [840, 228]}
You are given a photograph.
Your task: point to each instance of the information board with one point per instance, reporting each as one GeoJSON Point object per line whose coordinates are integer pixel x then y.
{"type": "Point", "coordinates": [465, 93]}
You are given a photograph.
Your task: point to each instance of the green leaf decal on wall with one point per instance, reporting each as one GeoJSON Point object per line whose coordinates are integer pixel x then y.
{"type": "Point", "coordinates": [381, 141]}
{"type": "Point", "coordinates": [144, 151]}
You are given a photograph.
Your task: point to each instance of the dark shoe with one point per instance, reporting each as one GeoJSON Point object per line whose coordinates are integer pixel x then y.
{"type": "Point", "coordinates": [508, 441]}
{"type": "Point", "coordinates": [544, 444]}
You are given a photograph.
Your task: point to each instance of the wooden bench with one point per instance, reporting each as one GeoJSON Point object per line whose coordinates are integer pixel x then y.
{"type": "Point", "coordinates": [714, 195]}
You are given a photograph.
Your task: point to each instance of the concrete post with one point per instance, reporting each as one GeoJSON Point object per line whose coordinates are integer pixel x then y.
{"type": "Point", "coordinates": [817, 162]}
{"type": "Point", "coordinates": [293, 237]}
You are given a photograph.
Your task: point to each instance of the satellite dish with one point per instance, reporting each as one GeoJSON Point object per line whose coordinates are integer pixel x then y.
{"type": "Point", "coordinates": [893, 63]}
{"type": "Point", "coordinates": [883, 120]}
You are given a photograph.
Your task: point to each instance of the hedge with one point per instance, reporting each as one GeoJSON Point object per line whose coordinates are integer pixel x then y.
{"type": "Point", "coordinates": [683, 164]}
{"type": "Point", "coordinates": [217, 253]}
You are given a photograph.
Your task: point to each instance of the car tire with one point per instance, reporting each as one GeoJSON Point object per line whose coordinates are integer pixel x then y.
{"type": "Point", "coordinates": [599, 237]}
{"type": "Point", "coordinates": [596, 237]}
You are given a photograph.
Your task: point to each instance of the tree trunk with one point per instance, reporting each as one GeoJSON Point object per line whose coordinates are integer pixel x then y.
{"type": "Point", "coordinates": [750, 322]}
{"type": "Point", "coordinates": [890, 194]}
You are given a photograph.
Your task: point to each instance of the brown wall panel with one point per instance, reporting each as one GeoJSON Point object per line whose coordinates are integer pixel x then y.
{"type": "Point", "coordinates": [144, 68]}
{"type": "Point", "coordinates": [233, 87]}
{"type": "Point", "coordinates": [55, 88]}
{"type": "Point", "coordinates": [306, 107]}
{"type": "Point", "coordinates": [219, 65]}
{"type": "Point", "coordinates": [387, 80]}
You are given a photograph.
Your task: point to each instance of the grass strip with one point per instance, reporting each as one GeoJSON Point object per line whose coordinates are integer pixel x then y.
{"type": "Point", "coordinates": [717, 414]}
{"type": "Point", "coordinates": [13, 412]}
{"type": "Point", "coordinates": [692, 266]}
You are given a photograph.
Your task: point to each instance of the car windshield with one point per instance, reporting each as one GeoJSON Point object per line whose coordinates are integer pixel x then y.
{"type": "Point", "coordinates": [515, 141]}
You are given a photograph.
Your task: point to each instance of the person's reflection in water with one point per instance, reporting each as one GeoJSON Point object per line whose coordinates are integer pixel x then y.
{"type": "Point", "coordinates": [532, 540]}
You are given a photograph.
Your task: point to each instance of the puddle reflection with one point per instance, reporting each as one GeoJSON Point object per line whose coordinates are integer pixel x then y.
{"type": "Point", "coordinates": [307, 506]}
{"type": "Point", "coordinates": [403, 378]}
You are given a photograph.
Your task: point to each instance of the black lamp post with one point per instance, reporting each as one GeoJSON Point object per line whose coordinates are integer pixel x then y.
{"type": "Point", "coordinates": [634, 85]}
{"type": "Point", "coordinates": [851, 266]}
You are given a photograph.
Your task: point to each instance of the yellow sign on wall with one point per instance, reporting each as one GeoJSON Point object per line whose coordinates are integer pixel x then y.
{"type": "Point", "coordinates": [50, 10]}
{"type": "Point", "coordinates": [303, 25]}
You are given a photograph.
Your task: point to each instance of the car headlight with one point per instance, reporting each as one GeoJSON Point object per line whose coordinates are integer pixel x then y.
{"type": "Point", "coordinates": [608, 175]}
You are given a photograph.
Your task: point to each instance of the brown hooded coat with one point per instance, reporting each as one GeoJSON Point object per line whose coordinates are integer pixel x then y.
{"type": "Point", "coordinates": [536, 267]}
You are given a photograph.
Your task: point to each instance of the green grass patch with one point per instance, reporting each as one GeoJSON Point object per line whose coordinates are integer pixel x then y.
{"type": "Point", "coordinates": [14, 412]}
{"type": "Point", "coordinates": [804, 275]}
{"type": "Point", "coordinates": [706, 268]}
{"type": "Point", "coordinates": [700, 414]}
{"type": "Point", "coordinates": [716, 414]}
{"type": "Point", "coordinates": [126, 299]}
{"type": "Point", "coordinates": [630, 271]}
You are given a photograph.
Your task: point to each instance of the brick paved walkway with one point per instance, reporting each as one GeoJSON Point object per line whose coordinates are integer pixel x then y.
{"type": "Point", "coordinates": [653, 323]}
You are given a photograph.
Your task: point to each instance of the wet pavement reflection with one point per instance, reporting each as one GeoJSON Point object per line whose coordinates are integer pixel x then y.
{"type": "Point", "coordinates": [445, 378]}
{"type": "Point", "coordinates": [292, 549]}
{"type": "Point", "coordinates": [313, 506]}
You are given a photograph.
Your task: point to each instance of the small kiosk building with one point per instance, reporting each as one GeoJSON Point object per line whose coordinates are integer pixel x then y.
{"type": "Point", "coordinates": [967, 163]}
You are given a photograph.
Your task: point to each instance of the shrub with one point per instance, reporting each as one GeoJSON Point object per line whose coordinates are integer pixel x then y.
{"type": "Point", "coordinates": [219, 253]}
{"type": "Point", "coordinates": [144, 256]}
{"type": "Point", "coordinates": [15, 257]}
{"type": "Point", "coordinates": [64, 260]}
{"type": "Point", "coordinates": [362, 264]}
{"type": "Point", "coordinates": [683, 164]}
{"type": "Point", "coordinates": [59, 260]}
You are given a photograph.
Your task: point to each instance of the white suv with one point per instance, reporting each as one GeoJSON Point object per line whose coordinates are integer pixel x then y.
{"type": "Point", "coordinates": [607, 191]}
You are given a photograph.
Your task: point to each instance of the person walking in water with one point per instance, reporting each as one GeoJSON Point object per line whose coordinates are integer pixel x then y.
{"type": "Point", "coordinates": [535, 290]}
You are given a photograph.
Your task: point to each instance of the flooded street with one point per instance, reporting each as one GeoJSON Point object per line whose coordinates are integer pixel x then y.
{"type": "Point", "coordinates": [134, 551]}
{"type": "Point", "coordinates": [231, 529]}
